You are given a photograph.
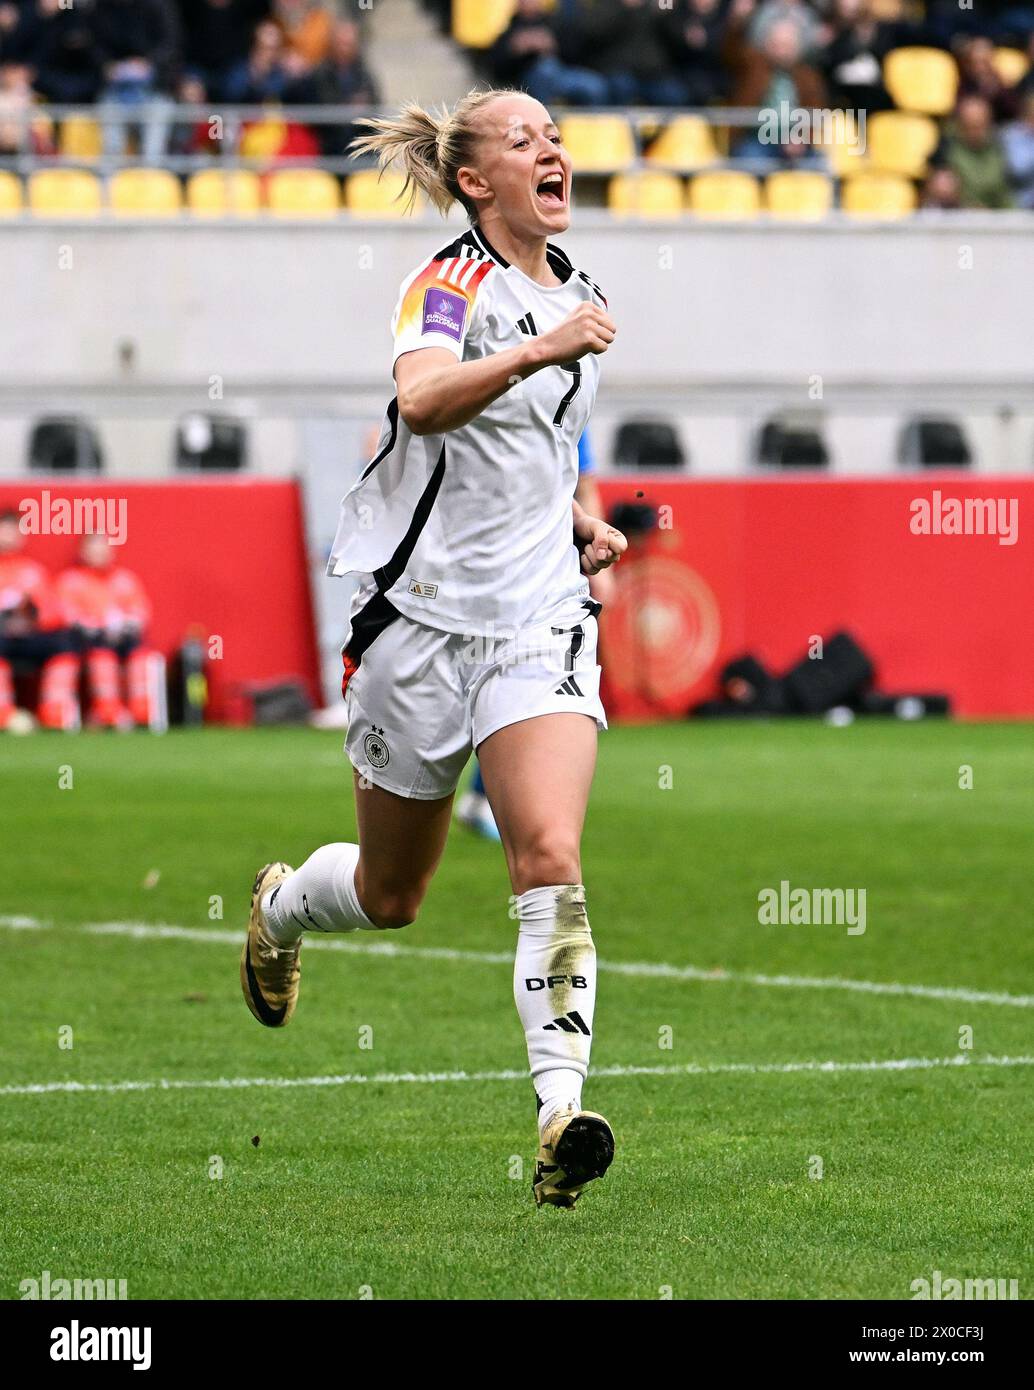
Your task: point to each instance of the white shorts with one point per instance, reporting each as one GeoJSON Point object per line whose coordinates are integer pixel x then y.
{"type": "Point", "coordinates": [419, 700]}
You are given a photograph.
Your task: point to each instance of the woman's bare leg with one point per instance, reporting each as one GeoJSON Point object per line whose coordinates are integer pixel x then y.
{"type": "Point", "coordinates": [401, 842]}
{"type": "Point", "coordinates": [538, 774]}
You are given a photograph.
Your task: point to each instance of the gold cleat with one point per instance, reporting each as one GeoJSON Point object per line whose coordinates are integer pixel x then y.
{"type": "Point", "coordinates": [269, 973]}
{"type": "Point", "coordinates": [577, 1147]}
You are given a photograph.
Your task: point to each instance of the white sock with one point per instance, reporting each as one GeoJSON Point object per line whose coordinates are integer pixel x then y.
{"type": "Point", "coordinates": [554, 986]}
{"type": "Point", "coordinates": [320, 896]}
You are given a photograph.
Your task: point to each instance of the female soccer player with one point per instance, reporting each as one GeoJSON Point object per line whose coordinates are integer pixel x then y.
{"type": "Point", "coordinates": [473, 626]}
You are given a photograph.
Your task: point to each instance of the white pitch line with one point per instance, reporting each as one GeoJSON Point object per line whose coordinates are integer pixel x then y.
{"type": "Point", "coordinates": [426, 1078]}
{"type": "Point", "coordinates": [158, 931]}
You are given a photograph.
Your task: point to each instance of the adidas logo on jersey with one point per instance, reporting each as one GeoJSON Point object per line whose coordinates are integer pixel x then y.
{"type": "Point", "coordinates": [569, 687]}
{"type": "Point", "coordinates": [568, 1023]}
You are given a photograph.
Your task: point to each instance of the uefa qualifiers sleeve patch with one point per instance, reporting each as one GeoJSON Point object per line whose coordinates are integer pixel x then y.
{"type": "Point", "coordinates": [444, 312]}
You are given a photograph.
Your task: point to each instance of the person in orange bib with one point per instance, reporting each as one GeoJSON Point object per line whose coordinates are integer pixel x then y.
{"type": "Point", "coordinates": [107, 607]}
{"type": "Point", "coordinates": [33, 636]}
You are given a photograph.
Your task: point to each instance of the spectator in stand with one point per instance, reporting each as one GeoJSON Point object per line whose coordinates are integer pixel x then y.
{"type": "Point", "coordinates": [811, 33]}
{"type": "Point", "coordinates": [268, 73]}
{"type": "Point", "coordinates": [941, 190]}
{"type": "Point", "coordinates": [774, 78]}
{"type": "Point", "coordinates": [978, 76]}
{"type": "Point", "coordinates": [974, 153]}
{"type": "Point", "coordinates": [24, 127]}
{"type": "Point", "coordinates": [20, 23]}
{"type": "Point", "coordinates": [307, 27]}
{"type": "Point", "coordinates": [140, 43]}
{"type": "Point", "coordinates": [532, 53]}
{"type": "Point", "coordinates": [853, 58]}
{"type": "Point", "coordinates": [109, 611]}
{"type": "Point", "coordinates": [32, 635]}
{"type": "Point", "coordinates": [217, 38]}
{"type": "Point", "coordinates": [1018, 143]}
{"type": "Point", "coordinates": [343, 80]}
{"type": "Point", "coordinates": [695, 32]}
{"type": "Point", "coordinates": [65, 54]}
{"type": "Point", "coordinates": [630, 43]}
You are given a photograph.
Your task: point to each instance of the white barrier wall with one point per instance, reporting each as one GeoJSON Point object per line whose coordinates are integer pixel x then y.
{"type": "Point", "coordinates": [718, 324]}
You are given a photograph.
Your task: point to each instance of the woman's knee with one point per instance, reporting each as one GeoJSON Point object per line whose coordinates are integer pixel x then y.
{"type": "Point", "coordinates": [389, 906]}
{"type": "Point", "coordinates": [544, 860]}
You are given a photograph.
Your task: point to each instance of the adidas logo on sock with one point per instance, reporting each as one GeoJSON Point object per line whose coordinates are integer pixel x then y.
{"type": "Point", "coordinates": [568, 1023]}
{"type": "Point", "coordinates": [569, 687]}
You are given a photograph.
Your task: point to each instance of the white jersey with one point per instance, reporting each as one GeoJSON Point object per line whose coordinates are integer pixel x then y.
{"type": "Point", "coordinates": [471, 531]}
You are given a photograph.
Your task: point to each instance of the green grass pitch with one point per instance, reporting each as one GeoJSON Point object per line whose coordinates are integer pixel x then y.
{"type": "Point", "coordinates": [415, 1189]}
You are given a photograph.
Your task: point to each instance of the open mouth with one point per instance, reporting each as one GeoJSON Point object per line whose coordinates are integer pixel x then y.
{"type": "Point", "coordinates": [550, 190]}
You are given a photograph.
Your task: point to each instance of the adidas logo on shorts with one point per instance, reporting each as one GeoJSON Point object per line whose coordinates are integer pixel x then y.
{"type": "Point", "coordinates": [569, 687]}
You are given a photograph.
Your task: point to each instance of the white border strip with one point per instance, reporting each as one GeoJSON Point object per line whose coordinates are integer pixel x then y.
{"type": "Point", "coordinates": [430, 1078]}
{"type": "Point", "coordinates": [155, 931]}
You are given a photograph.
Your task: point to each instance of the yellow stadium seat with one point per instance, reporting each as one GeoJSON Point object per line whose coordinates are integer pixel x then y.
{"type": "Point", "coordinates": [921, 79]}
{"type": "Point", "coordinates": [878, 195]}
{"type": "Point", "coordinates": [478, 23]}
{"type": "Point", "coordinates": [649, 194]}
{"type": "Point", "coordinates": [144, 193]}
{"type": "Point", "coordinates": [727, 194]}
{"type": "Point", "coordinates": [799, 194]}
{"type": "Point", "coordinates": [303, 193]}
{"type": "Point", "coordinates": [64, 193]}
{"type": "Point", "coordinates": [685, 145]}
{"type": "Point", "coordinates": [598, 144]}
{"type": "Point", "coordinates": [842, 142]}
{"type": "Point", "coordinates": [80, 138]}
{"type": "Point", "coordinates": [1011, 65]}
{"type": "Point", "coordinates": [366, 195]}
{"type": "Point", "coordinates": [899, 142]}
{"type": "Point", "coordinates": [224, 193]}
{"type": "Point", "coordinates": [10, 194]}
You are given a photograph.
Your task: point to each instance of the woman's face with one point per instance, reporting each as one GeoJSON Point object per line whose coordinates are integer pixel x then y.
{"type": "Point", "coordinates": [519, 147]}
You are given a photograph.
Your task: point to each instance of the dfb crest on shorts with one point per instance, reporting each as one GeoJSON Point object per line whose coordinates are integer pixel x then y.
{"type": "Point", "coordinates": [375, 748]}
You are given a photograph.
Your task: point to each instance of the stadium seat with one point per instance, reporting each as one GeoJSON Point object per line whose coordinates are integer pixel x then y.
{"type": "Point", "coordinates": [478, 23]}
{"type": "Point", "coordinates": [211, 442]}
{"type": "Point", "coordinates": [878, 195]}
{"type": "Point", "coordinates": [1011, 65]}
{"type": "Point", "coordinates": [843, 144]}
{"type": "Point", "coordinates": [727, 194]}
{"type": "Point", "coordinates": [10, 194]}
{"type": "Point", "coordinates": [367, 195]}
{"type": "Point", "coordinates": [64, 193]}
{"type": "Point", "coordinates": [921, 79]}
{"type": "Point", "coordinates": [931, 442]}
{"type": "Point", "coordinates": [303, 193]}
{"type": "Point", "coordinates": [791, 444]}
{"type": "Point", "coordinates": [901, 143]}
{"type": "Point", "coordinates": [648, 443]}
{"type": "Point", "coordinates": [224, 193]}
{"type": "Point", "coordinates": [598, 144]}
{"type": "Point", "coordinates": [798, 194]}
{"type": "Point", "coordinates": [685, 145]}
{"type": "Point", "coordinates": [648, 194]}
{"type": "Point", "coordinates": [80, 138]}
{"type": "Point", "coordinates": [65, 444]}
{"type": "Point", "coordinates": [144, 193]}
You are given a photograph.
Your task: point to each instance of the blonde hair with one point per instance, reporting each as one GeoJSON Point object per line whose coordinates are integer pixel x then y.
{"type": "Point", "coordinates": [429, 147]}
